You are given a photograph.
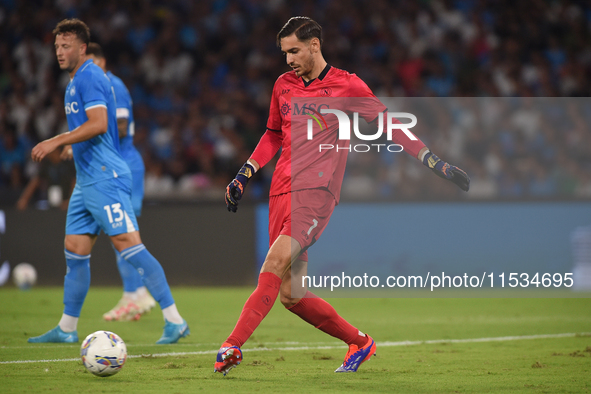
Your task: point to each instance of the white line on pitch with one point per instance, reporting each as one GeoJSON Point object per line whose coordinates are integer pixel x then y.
{"type": "Point", "coordinates": [135, 345]}
{"type": "Point", "coordinates": [379, 344]}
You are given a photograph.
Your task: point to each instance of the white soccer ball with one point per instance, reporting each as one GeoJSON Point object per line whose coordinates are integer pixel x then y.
{"type": "Point", "coordinates": [103, 353]}
{"type": "Point", "coordinates": [24, 276]}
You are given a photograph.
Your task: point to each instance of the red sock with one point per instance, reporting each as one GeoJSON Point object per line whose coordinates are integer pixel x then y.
{"type": "Point", "coordinates": [256, 308]}
{"type": "Point", "coordinates": [322, 315]}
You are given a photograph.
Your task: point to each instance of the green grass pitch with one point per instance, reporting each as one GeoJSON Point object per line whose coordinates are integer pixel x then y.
{"type": "Point", "coordinates": [463, 345]}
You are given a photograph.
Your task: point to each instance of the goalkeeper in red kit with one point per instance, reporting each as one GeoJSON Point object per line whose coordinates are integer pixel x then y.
{"type": "Point", "coordinates": [304, 191]}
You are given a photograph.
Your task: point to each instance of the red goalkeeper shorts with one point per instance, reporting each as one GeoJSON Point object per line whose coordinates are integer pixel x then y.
{"type": "Point", "coordinates": [303, 215]}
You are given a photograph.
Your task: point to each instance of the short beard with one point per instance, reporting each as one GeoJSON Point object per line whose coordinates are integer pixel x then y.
{"type": "Point", "coordinates": [72, 66]}
{"type": "Point", "coordinates": [309, 66]}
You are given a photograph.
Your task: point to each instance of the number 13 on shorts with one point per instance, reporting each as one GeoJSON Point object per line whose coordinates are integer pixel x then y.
{"type": "Point", "coordinates": [115, 214]}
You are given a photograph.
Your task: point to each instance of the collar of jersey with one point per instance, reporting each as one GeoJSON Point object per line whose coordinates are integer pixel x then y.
{"type": "Point", "coordinates": [82, 67]}
{"type": "Point", "coordinates": [320, 77]}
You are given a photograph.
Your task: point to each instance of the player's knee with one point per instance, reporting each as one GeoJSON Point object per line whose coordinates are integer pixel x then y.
{"type": "Point", "coordinates": [288, 295]}
{"type": "Point", "coordinates": [79, 244]}
{"type": "Point", "coordinates": [70, 245]}
{"type": "Point", "coordinates": [275, 264]}
{"type": "Point", "coordinates": [288, 301]}
{"type": "Point", "coordinates": [126, 240]}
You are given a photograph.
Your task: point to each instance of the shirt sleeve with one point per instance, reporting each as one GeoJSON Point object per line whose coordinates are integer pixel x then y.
{"type": "Point", "coordinates": [412, 147]}
{"type": "Point", "coordinates": [272, 139]}
{"type": "Point", "coordinates": [92, 93]}
{"type": "Point", "coordinates": [274, 121]}
{"type": "Point", "coordinates": [267, 147]}
{"type": "Point", "coordinates": [123, 100]}
{"type": "Point", "coordinates": [369, 106]}
{"type": "Point", "coordinates": [364, 101]}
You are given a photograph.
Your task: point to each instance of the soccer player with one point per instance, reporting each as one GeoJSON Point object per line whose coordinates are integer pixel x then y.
{"type": "Point", "coordinates": [302, 198]}
{"type": "Point", "coordinates": [135, 300]}
{"type": "Point", "coordinates": [101, 199]}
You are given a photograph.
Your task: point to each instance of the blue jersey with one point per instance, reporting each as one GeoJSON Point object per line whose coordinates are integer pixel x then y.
{"type": "Point", "coordinates": [98, 158]}
{"type": "Point", "coordinates": [125, 111]}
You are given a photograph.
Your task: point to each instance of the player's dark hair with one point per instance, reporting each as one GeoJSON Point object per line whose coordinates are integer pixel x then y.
{"type": "Point", "coordinates": [304, 28]}
{"type": "Point", "coordinates": [95, 49]}
{"type": "Point", "coordinates": [73, 26]}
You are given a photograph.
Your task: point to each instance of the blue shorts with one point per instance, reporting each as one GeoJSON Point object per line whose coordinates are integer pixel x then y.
{"type": "Point", "coordinates": [105, 205]}
{"type": "Point", "coordinates": [137, 191]}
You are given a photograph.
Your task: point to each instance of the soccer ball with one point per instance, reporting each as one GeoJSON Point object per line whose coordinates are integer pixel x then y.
{"type": "Point", "coordinates": [24, 276]}
{"type": "Point", "coordinates": [103, 353]}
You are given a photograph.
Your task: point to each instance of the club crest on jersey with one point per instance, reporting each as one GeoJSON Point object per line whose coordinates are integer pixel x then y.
{"type": "Point", "coordinates": [73, 91]}
{"type": "Point", "coordinates": [285, 108]}
{"type": "Point", "coordinates": [326, 92]}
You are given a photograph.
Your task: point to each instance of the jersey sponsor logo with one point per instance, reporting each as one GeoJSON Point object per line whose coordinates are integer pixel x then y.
{"type": "Point", "coordinates": [308, 108]}
{"type": "Point", "coordinates": [326, 92]}
{"type": "Point", "coordinates": [73, 91]}
{"type": "Point", "coordinates": [285, 91]}
{"type": "Point", "coordinates": [72, 108]}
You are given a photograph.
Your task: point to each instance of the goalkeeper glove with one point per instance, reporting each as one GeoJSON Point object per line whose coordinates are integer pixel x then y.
{"type": "Point", "coordinates": [446, 171]}
{"type": "Point", "coordinates": [235, 189]}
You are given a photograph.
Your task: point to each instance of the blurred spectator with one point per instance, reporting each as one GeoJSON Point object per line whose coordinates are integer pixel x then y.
{"type": "Point", "coordinates": [482, 184]}
{"type": "Point", "coordinates": [53, 183]}
{"type": "Point", "coordinates": [542, 184]}
{"type": "Point", "coordinates": [12, 158]}
{"type": "Point", "coordinates": [158, 183]}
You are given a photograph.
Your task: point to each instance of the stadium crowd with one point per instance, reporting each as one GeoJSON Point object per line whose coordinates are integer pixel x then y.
{"type": "Point", "coordinates": [201, 74]}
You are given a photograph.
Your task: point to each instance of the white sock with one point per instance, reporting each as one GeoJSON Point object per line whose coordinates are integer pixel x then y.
{"type": "Point", "coordinates": [141, 292]}
{"type": "Point", "coordinates": [130, 295]}
{"type": "Point", "coordinates": [172, 315]}
{"type": "Point", "coordinates": [68, 323]}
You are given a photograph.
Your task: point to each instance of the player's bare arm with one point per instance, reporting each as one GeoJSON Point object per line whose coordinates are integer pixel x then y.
{"type": "Point", "coordinates": [95, 125]}
{"type": "Point", "coordinates": [422, 152]}
{"type": "Point", "coordinates": [255, 164]}
{"type": "Point", "coordinates": [122, 126]}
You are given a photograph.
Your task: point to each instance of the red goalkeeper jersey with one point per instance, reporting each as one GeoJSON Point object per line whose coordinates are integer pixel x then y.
{"type": "Point", "coordinates": [296, 107]}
